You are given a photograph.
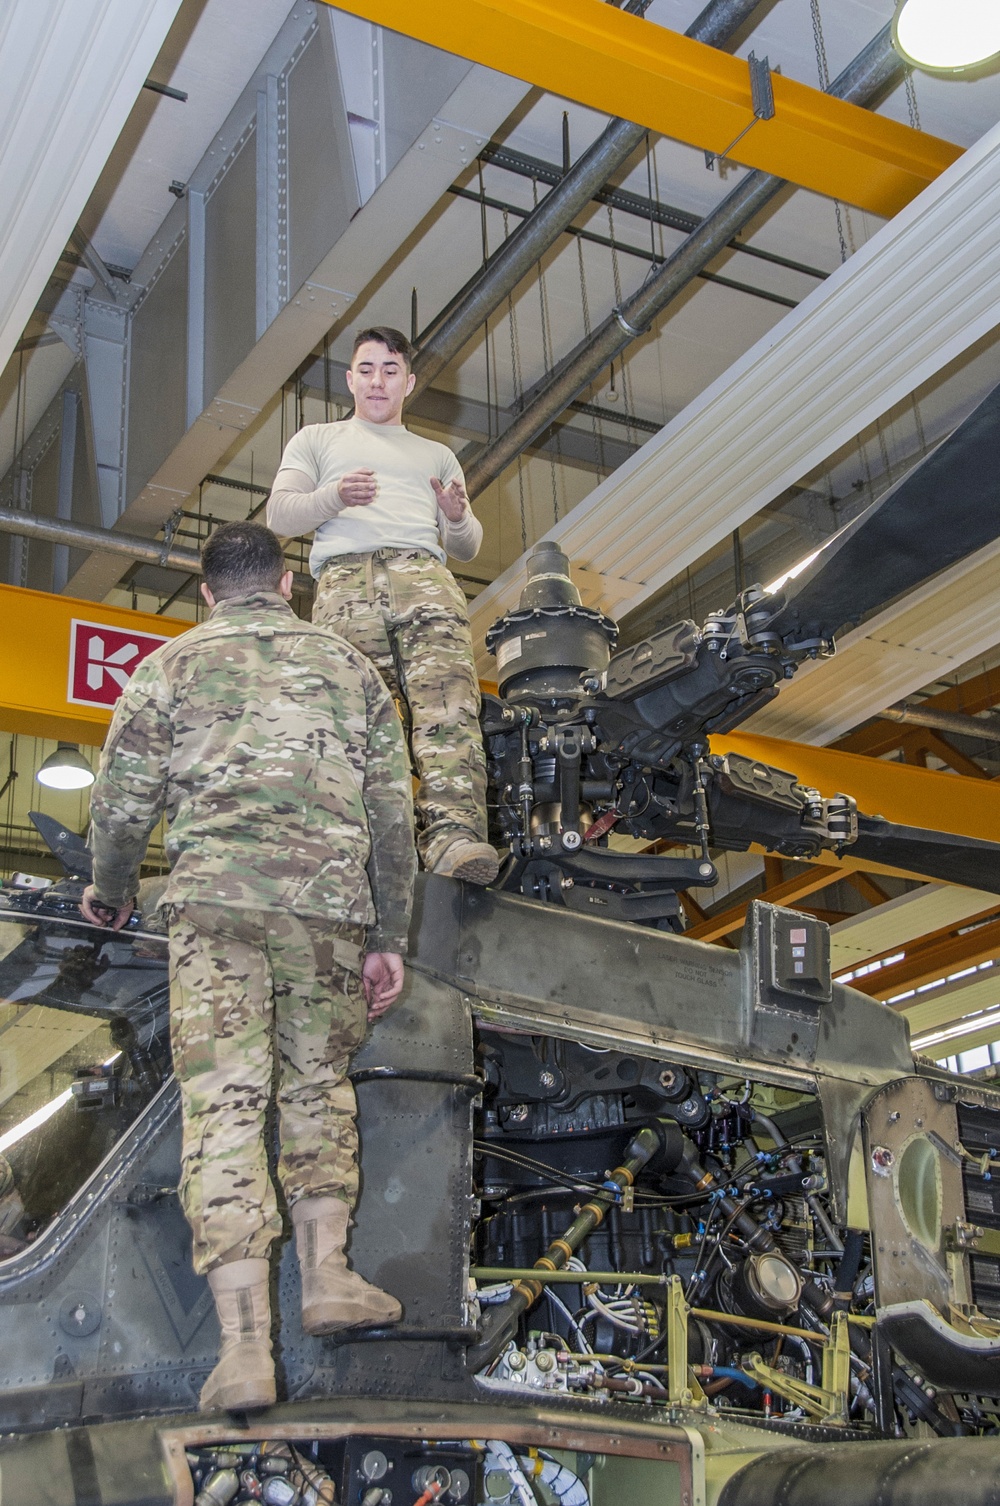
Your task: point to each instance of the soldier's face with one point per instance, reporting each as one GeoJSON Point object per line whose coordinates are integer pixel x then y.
{"type": "Point", "coordinates": [379, 381]}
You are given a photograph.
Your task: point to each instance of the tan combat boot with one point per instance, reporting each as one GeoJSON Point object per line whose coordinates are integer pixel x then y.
{"type": "Point", "coordinates": [244, 1376]}
{"type": "Point", "coordinates": [334, 1296]}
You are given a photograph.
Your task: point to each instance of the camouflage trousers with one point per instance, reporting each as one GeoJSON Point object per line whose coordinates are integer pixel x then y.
{"type": "Point", "coordinates": [404, 610]}
{"type": "Point", "coordinates": [263, 1005]}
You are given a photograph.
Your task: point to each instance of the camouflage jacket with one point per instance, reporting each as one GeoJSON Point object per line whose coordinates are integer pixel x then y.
{"type": "Point", "coordinates": [277, 754]}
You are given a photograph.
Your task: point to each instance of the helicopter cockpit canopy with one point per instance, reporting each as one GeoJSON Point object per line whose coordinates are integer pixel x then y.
{"type": "Point", "coordinates": [83, 1016]}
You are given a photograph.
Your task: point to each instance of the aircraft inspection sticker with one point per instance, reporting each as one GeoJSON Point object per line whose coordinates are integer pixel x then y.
{"type": "Point", "coordinates": [102, 659]}
{"type": "Point", "coordinates": [507, 651]}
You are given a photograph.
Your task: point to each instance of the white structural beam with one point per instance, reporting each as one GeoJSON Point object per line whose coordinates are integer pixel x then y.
{"type": "Point", "coordinates": [69, 75]}
{"type": "Point", "coordinates": [922, 290]}
{"type": "Point", "coordinates": [898, 921]}
{"type": "Point", "coordinates": [926, 636]}
{"type": "Point", "coordinates": [229, 382]}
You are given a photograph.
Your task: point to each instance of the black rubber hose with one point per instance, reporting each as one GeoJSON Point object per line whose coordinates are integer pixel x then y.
{"type": "Point", "coordinates": [941, 1472]}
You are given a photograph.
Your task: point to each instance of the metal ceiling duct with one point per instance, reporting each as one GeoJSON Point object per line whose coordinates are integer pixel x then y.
{"type": "Point", "coordinates": [915, 715]}
{"type": "Point", "coordinates": [720, 20]}
{"type": "Point", "coordinates": [863, 82]}
{"type": "Point", "coordinates": [79, 536]}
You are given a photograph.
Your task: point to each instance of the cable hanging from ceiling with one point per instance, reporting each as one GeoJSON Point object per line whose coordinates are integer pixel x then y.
{"type": "Point", "coordinates": [547, 361]}
{"type": "Point", "coordinates": [597, 425]}
{"type": "Point", "coordinates": [622, 367]}
{"type": "Point", "coordinates": [515, 362]}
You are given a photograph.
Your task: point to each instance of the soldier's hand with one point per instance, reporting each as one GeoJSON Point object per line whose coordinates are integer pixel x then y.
{"type": "Point", "coordinates": [357, 488]}
{"type": "Point", "coordinates": [382, 980]}
{"type": "Point", "coordinates": [451, 499]}
{"type": "Point", "coordinates": [103, 915]}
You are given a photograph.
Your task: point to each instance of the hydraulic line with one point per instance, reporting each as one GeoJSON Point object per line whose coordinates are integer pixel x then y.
{"type": "Point", "coordinates": [758, 1238]}
{"type": "Point", "coordinates": [500, 1322]}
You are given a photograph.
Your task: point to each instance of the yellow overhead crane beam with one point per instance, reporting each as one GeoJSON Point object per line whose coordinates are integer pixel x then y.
{"type": "Point", "coordinates": [64, 661]}
{"type": "Point", "coordinates": [620, 64]}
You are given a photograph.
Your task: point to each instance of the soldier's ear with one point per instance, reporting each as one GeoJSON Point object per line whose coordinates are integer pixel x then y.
{"type": "Point", "coordinates": [207, 596]}
{"type": "Point", "coordinates": [285, 584]}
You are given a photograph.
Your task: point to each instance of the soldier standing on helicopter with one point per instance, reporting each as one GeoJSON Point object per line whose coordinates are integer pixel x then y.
{"type": "Point", "coordinates": [276, 752]}
{"type": "Point", "coordinates": [387, 507]}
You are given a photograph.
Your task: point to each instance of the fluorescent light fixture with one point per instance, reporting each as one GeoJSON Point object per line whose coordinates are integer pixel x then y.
{"type": "Point", "coordinates": [981, 1021]}
{"type": "Point", "coordinates": [947, 36]}
{"type": "Point", "coordinates": [34, 1120]}
{"type": "Point", "coordinates": [66, 769]}
{"type": "Point", "coordinates": [40, 1116]}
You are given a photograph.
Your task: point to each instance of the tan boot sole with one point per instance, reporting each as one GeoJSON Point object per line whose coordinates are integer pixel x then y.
{"type": "Point", "coordinates": [474, 862]}
{"type": "Point", "coordinates": [319, 1324]}
{"type": "Point", "coordinates": [242, 1396]}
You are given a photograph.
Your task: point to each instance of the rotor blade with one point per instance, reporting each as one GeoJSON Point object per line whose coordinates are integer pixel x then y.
{"type": "Point", "coordinates": [941, 511]}
{"type": "Point", "coordinates": [68, 846]}
{"type": "Point", "coordinates": [938, 854]}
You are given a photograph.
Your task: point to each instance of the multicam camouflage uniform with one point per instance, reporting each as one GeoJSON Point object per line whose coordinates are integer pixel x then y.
{"type": "Point", "coordinates": [404, 610]}
{"type": "Point", "coordinates": [277, 755]}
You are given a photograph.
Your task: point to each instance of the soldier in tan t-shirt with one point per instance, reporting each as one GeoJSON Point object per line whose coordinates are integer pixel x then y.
{"type": "Point", "coordinates": [387, 507]}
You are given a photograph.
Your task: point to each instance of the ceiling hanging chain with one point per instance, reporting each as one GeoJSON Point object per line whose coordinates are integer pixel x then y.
{"type": "Point", "coordinates": [913, 110]}
{"type": "Point", "coordinates": [547, 363]}
{"type": "Point", "coordinates": [485, 239]}
{"type": "Point", "coordinates": [8, 790]}
{"type": "Point", "coordinates": [847, 243]}
{"type": "Point", "coordinates": [515, 362]}
{"type": "Point", "coordinates": [596, 424]}
{"type": "Point", "coordinates": [651, 200]}
{"type": "Point", "coordinates": [911, 100]}
{"type": "Point", "coordinates": [626, 385]}
{"type": "Point", "coordinates": [863, 453]}
{"type": "Point", "coordinates": [823, 69]}
{"type": "Point", "coordinates": [20, 491]}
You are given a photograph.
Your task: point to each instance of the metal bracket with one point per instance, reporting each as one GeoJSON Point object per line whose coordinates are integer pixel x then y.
{"type": "Point", "coordinates": [761, 99]}
{"type": "Point", "coordinates": [964, 1237]}
{"type": "Point", "coordinates": [682, 1385]}
{"type": "Point", "coordinates": [827, 1403]}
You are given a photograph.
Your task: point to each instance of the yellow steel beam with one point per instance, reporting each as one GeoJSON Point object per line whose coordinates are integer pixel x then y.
{"type": "Point", "coordinates": [899, 792]}
{"type": "Point", "coordinates": [35, 629]}
{"type": "Point", "coordinates": [808, 881]}
{"type": "Point", "coordinates": [623, 65]}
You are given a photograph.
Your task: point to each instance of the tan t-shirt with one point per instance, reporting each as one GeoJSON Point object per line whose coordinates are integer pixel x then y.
{"type": "Point", "coordinates": [405, 513]}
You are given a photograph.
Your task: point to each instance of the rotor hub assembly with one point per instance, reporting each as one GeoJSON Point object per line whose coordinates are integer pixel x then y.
{"type": "Point", "coordinates": [550, 647]}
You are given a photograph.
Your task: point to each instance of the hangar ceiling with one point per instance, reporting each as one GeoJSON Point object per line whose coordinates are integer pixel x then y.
{"type": "Point", "coordinates": [323, 173]}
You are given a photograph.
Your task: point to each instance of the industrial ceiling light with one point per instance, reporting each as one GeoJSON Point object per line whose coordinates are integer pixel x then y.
{"type": "Point", "coordinates": [947, 36]}
{"type": "Point", "coordinates": [66, 769]}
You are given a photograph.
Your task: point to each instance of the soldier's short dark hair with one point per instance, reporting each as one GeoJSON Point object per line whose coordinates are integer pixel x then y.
{"type": "Point", "coordinates": [240, 558]}
{"type": "Point", "coordinates": [393, 339]}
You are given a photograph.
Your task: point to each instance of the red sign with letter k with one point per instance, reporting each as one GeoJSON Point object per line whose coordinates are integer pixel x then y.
{"type": "Point", "coordinates": [101, 660]}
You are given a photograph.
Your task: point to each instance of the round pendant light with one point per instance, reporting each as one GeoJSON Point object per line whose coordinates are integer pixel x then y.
{"type": "Point", "coordinates": [66, 769]}
{"type": "Point", "coordinates": [947, 36]}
